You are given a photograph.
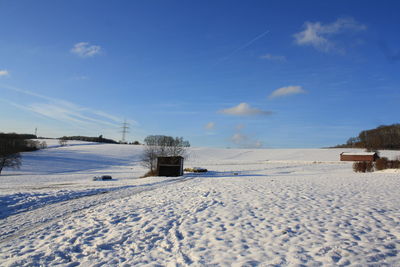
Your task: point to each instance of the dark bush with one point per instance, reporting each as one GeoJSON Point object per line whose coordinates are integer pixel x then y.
{"type": "Point", "coordinates": [394, 164]}
{"type": "Point", "coordinates": [381, 163]}
{"type": "Point", "coordinates": [363, 166]}
{"type": "Point", "coordinates": [384, 163]}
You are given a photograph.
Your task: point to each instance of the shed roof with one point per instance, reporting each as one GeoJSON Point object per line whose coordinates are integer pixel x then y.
{"type": "Point", "coordinates": [358, 153]}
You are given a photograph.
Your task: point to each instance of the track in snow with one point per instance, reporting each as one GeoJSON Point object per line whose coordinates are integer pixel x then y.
{"type": "Point", "coordinates": [32, 220]}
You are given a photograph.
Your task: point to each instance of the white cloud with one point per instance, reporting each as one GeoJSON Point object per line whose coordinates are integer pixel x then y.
{"type": "Point", "coordinates": [273, 57]}
{"type": "Point", "coordinates": [210, 126]}
{"type": "Point", "coordinates": [84, 49]}
{"type": "Point", "coordinates": [317, 34]}
{"type": "Point", "coordinates": [244, 109]}
{"type": "Point", "coordinates": [288, 90]}
{"type": "Point", "coordinates": [4, 73]}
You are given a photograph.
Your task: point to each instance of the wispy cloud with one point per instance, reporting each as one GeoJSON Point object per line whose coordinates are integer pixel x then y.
{"type": "Point", "coordinates": [13, 104]}
{"type": "Point", "coordinates": [238, 138]}
{"type": "Point", "coordinates": [239, 126]}
{"type": "Point", "coordinates": [27, 92]}
{"type": "Point", "coordinates": [244, 109]}
{"type": "Point", "coordinates": [84, 49]}
{"type": "Point", "coordinates": [288, 90]}
{"type": "Point", "coordinates": [244, 141]}
{"type": "Point", "coordinates": [319, 35]}
{"type": "Point", "coordinates": [65, 111]}
{"type": "Point", "coordinates": [108, 116]}
{"type": "Point", "coordinates": [4, 73]}
{"type": "Point", "coordinates": [273, 57]}
{"type": "Point", "coordinates": [210, 125]}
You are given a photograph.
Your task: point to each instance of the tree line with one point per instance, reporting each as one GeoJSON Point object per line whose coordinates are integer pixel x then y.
{"type": "Point", "coordinates": [99, 139]}
{"type": "Point", "coordinates": [382, 137]}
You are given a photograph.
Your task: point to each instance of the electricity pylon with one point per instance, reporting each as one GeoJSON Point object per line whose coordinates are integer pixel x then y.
{"type": "Point", "coordinates": [125, 130]}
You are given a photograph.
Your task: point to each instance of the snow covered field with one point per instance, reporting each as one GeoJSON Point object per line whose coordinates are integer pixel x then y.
{"type": "Point", "coordinates": [272, 207]}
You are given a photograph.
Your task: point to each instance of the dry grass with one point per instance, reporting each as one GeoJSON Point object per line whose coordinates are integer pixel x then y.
{"type": "Point", "coordinates": [149, 174]}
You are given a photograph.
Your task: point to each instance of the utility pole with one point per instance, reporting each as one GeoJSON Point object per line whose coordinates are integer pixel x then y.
{"type": "Point", "coordinates": [125, 130]}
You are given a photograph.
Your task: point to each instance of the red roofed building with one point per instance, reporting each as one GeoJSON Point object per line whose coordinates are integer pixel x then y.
{"type": "Point", "coordinates": [358, 156]}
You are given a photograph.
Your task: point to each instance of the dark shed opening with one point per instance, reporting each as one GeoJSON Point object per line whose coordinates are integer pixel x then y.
{"type": "Point", "coordinates": [170, 166]}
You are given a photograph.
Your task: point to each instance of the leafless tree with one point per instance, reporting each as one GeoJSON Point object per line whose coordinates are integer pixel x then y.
{"type": "Point", "coordinates": [32, 145]}
{"type": "Point", "coordinates": [11, 161]}
{"type": "Point", "coordinates": [62, 141]}
{"type": "Point", "coordinates": [149, 158]}
{"type": "Point", "coordinates": [162, 146]}
{"type": "Point", "coordinates": [43, 145]}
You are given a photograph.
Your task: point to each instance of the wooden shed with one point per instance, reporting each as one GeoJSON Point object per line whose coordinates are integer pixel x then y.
{"type": "Point", "coordinates": [358, 156]}
{"type": "Point", "coordinates": [170, 166]}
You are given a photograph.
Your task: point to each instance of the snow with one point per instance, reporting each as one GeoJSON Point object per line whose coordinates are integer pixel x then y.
{"type": "Point", "coordinates": [285, 207]}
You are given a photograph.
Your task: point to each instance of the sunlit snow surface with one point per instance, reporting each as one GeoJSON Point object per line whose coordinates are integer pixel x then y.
{"type": "Point", "coordinates": [270, 207]}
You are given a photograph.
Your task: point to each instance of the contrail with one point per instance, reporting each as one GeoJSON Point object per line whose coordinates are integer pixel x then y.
{"type": "Point", "coordinates": [244, 46]}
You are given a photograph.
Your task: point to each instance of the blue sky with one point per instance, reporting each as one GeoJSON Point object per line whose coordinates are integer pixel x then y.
{"type": "Point", "coordinates": [271, 74]}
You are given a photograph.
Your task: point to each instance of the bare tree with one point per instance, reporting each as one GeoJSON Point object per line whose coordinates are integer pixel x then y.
{"type": "Point", "coordinates": [43, 145]}
{"type": "Point", "coordinates": [149, 158]}
{"type": "Point", "coordinates": [162, 146]}
{"type": "Point", "coordinates": [62, 141]}
{"type": "Point", "coordinates": [32, 145]}
{"type": "Point", "coordinates": [11, 161]}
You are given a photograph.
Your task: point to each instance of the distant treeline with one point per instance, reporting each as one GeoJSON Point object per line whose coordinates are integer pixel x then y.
{"type": "Point", "coordinates": [382, 137]}
{"type": "Point", "coordinates": [99, 139]}
{"type": "Point", "coordinates": [13, 142]}
{"type": "Point", "coordinates": [24, 136]}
